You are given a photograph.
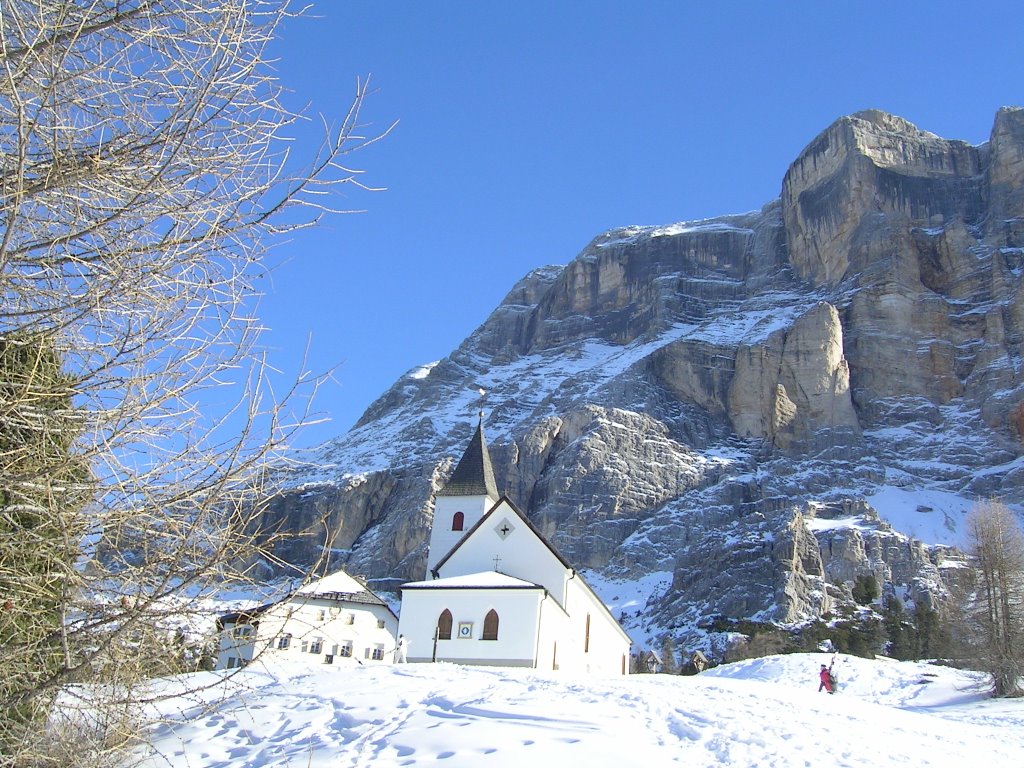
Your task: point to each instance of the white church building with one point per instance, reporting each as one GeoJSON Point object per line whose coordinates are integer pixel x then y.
{"type": "Point", "coordinates": [497, 593]}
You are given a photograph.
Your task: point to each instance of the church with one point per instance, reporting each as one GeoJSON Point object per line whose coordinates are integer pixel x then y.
{"type": "Point", "coordinates": [497, 593]}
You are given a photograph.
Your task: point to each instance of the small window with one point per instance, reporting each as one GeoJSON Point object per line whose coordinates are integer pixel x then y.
{"type": "Point", "coordinates": [444, 625]}
{"type": "Point", "coordinates": [328, 658]}
{"type": "Point", "coordinates": [458, 521]}
{"type": "Point", "coordinates": [305, 646]}
{"type": "Point", "coordinates": [241, 631]}
{"type": "Point", "coordinates": [321, 615]}
{"type": "Point", "coordinates": [380, 623]}
{"type": "Point", "coordinates": [317, 646]}
{"type": "Point", "coordinates": [490, 625]}
{"type": "Point", "coordinates": [346, 650]}
{"type": "Point", "coordinates": [232, 662]}
{"type": "Point", "coordinates": [378, 652]}
{"type": "Point", "coordinates": [284, 643]}
{"type": "Point", "coordinates": [350, 618]}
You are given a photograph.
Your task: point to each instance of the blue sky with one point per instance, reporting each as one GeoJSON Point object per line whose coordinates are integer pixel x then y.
{"type": "Point", "coordinates": [527, 128]}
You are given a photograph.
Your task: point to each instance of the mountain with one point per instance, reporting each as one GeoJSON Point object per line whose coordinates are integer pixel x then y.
{"type": "Point", "coordinates": [758, 407]}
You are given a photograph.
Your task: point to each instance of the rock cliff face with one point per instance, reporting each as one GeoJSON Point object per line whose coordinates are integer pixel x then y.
{"type": "Point", "coordinates": [794, 386]}
{"type": "Point", "coordinates": [758, 407]}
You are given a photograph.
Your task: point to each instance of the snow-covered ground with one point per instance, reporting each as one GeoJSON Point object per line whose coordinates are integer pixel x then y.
{"type": "Point", "coordinates": [762, 712]}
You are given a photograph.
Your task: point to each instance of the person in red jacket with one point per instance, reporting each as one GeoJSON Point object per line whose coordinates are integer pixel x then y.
{"type": "Point", "coordinates": [826, 679]}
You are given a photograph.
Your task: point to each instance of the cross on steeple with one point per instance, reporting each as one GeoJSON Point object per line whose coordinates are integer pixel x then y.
{"type": "Point", "coordinates": [497, 559]}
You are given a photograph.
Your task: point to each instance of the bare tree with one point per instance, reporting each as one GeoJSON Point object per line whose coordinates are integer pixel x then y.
{"type": "Point", "coordinates": [144, 172]}
{"type": "Point", "coordinates": [996, 548]}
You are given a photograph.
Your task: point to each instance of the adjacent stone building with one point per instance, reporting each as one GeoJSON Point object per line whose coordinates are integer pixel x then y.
{"type": "Point", "coordinates": [335, 620]}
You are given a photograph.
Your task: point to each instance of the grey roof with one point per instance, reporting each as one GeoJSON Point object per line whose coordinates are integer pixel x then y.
{"type": "Point", "coordinates": [474, 475]}
{"type": "Point", "coordinates": [251, 615]}
{"type": "Point", "coordinates": [366, 598]}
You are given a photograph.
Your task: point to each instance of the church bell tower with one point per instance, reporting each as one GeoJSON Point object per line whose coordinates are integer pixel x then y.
{"type": "Point", "coordinates": [469, 493]}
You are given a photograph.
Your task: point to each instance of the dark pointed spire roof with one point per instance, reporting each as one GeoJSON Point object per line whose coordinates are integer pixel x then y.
{"type": "Point", "coordinates": [474, 475]}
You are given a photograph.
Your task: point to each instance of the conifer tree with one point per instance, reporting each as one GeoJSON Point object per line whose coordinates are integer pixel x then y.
{"type": "Point", "coordinates": [932, 632]}
{"type": "Point", "coordinates": [865, 589]}
{"type": "Point", "coordinates": [668, 656]}
{"type": "Point", "coordinates": [901, 643]}
{"type": "Point", "coordinates": [43, 485]}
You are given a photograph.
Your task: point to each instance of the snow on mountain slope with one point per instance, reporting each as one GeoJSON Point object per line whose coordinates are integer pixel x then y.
{"type": "Point", "coordinates": [769, 405]}
{"type": "Point", "coordinates": [527, 388]}
{"type": "Point", "coordinates": [764, 712]}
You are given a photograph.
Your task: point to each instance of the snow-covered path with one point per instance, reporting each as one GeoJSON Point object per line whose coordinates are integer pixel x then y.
{"type": "Point", "coordinates": [764, 712]}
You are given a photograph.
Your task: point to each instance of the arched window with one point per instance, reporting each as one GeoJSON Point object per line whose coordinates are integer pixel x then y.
{"type": "Point", "coordinates": [458, 521]}
{"type": "Point", "coordinates": [444, 625]}
{"type": "Point", "coordinates": [491, 625]}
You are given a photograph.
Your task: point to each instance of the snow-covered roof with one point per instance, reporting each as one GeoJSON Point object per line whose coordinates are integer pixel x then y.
{"type": "Point", "coordinates": [339, 581]}
{"type": "Point", "coordinates": [484, 579]}
{"type": "Point", "coordinates": [337, 586]}
{"type": "Point", "coordinates": [340, 587]}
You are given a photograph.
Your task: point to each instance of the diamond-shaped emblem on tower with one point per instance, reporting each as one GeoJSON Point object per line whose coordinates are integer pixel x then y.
{"type": "Point", "coordinates": [504, 528]}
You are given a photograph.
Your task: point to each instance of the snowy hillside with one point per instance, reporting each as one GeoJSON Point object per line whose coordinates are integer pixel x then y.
{"type": "Point", "coordinates": [763, 712]}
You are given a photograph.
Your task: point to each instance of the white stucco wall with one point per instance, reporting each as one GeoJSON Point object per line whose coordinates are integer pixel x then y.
{"type": "Point", "coordinates": [518, 553]}
{"type": "Point", "coordinates": [518, 614]}
{"type": "Point", "coordinates": [607, 651]}
{"type": "Point", "coordinates": [564, 638]}
{"type": "Point", "coordinates": [505, 543]}
{"type": "Point", "coordinates": [309, 620]}
{"type": "Point", "coordinates": [553, 647]}
{"type": "Point", "coordinates": [442, 537]}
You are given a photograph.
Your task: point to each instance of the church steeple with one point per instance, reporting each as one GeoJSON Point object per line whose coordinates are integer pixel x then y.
{"type": "Point", "coordinates": [464, 499]}
{"type": "Point", "coordinates": [474, 475]}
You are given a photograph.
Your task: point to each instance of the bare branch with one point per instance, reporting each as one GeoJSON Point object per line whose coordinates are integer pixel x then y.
{"type": "Point", "coordinates": [144, 172]}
